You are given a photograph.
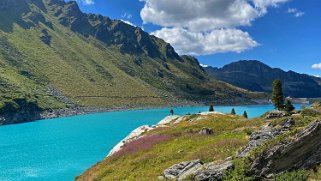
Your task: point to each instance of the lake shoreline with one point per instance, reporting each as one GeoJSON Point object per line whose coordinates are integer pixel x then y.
{"type": "Point", "coordinates": [25, 117]}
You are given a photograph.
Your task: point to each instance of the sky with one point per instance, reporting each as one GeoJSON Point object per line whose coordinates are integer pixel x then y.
{"type": "Point", "coordinates": [281, 33]}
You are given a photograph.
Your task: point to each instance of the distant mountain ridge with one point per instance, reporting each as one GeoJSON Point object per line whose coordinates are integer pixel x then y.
{"type": "Point", "coordinates": [256, 76]}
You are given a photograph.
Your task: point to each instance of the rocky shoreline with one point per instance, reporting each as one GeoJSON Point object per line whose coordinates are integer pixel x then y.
{"type": "Point", "coordinates": [25, 116]}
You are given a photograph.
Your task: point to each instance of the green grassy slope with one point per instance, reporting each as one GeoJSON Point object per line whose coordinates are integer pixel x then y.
{"type": "Point", "coordinates": [56, 56]}
{"type": "Point", "coordinates": [182, 143]}
{"type": "Point", "coordinates": [148, 156]}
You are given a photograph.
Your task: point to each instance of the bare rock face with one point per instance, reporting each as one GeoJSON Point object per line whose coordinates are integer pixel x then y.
{"type": "Point", "coordinates": [258, 138]}
{"type": "Point", "coordinates": [302, 153]}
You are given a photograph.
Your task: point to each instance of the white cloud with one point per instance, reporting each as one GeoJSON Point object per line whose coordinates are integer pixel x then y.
{"type": "Point", "coordinates": [205, 14]}
{"type": "Point", "coordinates": [87, 2]}
{"type": "Point", "coordinates": [205, 25]}
{"type": "Point", "coordinates": [316, 66]}
{"type": "Point", "coordinates": [297, 13]}
{"type": "Point", "coordinates": [198, 43]}
{"type": "Point", "coordinates": [262, 5]}
{"type": "Point", "coordinates": [203, 65]}
{"type": "Point", "coordinates": [127, 15]}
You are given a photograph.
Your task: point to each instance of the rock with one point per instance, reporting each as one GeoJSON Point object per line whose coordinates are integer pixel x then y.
{"type": "Point", "coordinates": [213, 172]}
{"type": "Point", "coordinates": [132, 136]}
{"type": "Point", "coordinates": [177, 170]}
{"type": "Point", "coordinates": [206, 131]}
{"type": "Point", "coordinates": [275, 114]}
{"type": "Point", "coordinates": [303, 152]}
{"type": "Point", "coordinates": [258, 138]}
{"type": "Point", "coordinates": [288, 123]}
{"type": "Point", "coordinates": [168, 119]}
{"type": "Point", "coordinates": [198, 170]}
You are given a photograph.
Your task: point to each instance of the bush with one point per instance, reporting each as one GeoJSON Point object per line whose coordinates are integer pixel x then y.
{"type": "Point", "coordinates": [310, 112]}
{"type": "Point", "coordinates": [300, 175]}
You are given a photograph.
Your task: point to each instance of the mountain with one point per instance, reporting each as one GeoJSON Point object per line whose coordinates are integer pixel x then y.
{"type": "Point", "coordinates": [54, 56]}
{"type": "Point", "coordinates": [256, 76]}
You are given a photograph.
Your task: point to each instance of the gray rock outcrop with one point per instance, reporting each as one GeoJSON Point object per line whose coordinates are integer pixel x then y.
{"type": "Point", "coordinates": [181, 170]}
{"type": "Point", "coordinates": [303, 152]}
{"type": "Point", "coordinates": [213, 172]}
{"type": "Point", "coordinates": [198, 171]}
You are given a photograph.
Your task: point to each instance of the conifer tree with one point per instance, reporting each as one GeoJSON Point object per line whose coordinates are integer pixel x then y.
{"type": "Point", "coordinates": [288, 106]}
{"type": "Point", "coordinates": [277, 95]}
{"type": "Point", "coordinates": [233, 111]}
{"type": "Point", "coordinates": [245, 114]}
{"type": "Point", "coordinates": [211, 109]}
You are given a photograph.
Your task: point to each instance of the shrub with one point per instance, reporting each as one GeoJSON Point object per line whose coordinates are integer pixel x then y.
{"type": "Point", "coordinates": [310, 112]}
{"type": "Point", "coordinates": [300, 175]}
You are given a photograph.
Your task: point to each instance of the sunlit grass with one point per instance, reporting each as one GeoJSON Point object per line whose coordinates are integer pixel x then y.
{"type": "Point", "coordinates": [183, 143]}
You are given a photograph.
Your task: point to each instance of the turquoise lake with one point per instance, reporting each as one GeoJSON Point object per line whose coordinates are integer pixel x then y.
{"type": "Point", "coordinates": [60, 149]}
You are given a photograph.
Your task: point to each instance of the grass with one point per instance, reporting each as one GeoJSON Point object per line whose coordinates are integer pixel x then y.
{"type": "Point", "coordinates": [158, 149]}
{"type": "Point", "coordinates": [182, 143]}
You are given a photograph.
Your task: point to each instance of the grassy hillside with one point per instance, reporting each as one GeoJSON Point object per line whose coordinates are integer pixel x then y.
{"type": "Point", "coordinates": [55, 56]}
{"type": "Point", "coordinates": [147, 157]}
{"type": "Point", "coordinates": [174, 144]}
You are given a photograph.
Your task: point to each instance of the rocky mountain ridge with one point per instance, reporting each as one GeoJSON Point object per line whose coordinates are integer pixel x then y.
{"type": "Point", "coordinates": [256, 76]}
{"type": "Point", "coordinates": [55, 56]}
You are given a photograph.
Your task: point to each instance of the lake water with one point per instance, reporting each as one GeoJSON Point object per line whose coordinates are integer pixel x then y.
{"type": "Point", "coordinates": [60, 149]}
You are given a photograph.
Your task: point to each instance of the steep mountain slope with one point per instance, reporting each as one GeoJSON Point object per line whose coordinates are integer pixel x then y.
{"type": "Point", "coordinates": [53, 55]}
{"type": "Point", "coordinates": [256, 76]}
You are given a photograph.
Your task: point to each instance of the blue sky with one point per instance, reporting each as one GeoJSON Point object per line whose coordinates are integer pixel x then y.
{"type": "Point", "coordinates": [280, 33]}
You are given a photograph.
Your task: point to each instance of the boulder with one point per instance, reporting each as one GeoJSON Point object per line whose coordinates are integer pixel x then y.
{"type": "Point", "coordinates": [206, 131]}
{"type": "Point", "coordinates": [213, 172]}
{"type": "Point", "coordinates": [178, 170]}
{"type": "Point", "coordinates": [275, 114]}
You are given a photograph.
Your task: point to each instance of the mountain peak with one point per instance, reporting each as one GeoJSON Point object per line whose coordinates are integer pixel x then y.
{"type": "Point", "coordinates": [257, 76]}
{"type": "Point", "coordinates": [246, 64]}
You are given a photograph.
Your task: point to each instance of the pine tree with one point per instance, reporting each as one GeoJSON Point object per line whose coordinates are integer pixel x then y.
{"type": "Point", "coordinates": [233, 111]}
{"type": "Point", "coordinates": [288, 106]}
{"type": "Point", "coordinates": [277, 95]}
{"type": "Point", "coordinates": [245, 114]}
{"type": "Point", "coordinates": [211, 108]}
